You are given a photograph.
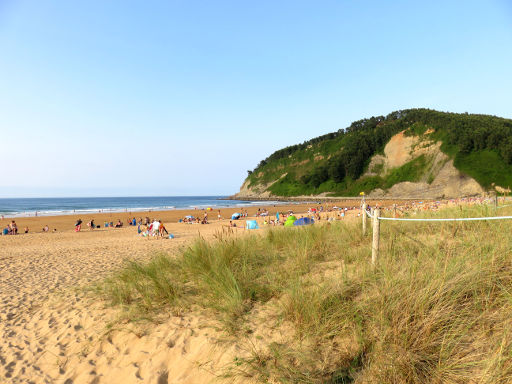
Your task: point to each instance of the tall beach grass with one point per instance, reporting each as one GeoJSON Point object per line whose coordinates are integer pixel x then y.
{"type": "Point", "coordinates": [436, 309]}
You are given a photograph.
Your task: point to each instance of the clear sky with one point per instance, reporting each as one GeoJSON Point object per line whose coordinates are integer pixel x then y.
{"type": "Point", "coordinates": [116, 98]}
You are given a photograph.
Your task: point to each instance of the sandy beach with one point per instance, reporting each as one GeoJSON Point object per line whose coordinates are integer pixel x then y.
{"type": "Point", "coordinates": [54, 332]}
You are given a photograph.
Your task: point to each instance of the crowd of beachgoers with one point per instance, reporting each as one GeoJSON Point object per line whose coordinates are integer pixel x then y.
{"type": "Point", "coordinates": [145, 226]}
{"type": "Point", "coordinates": [154, 227]}
{"type": "Point", "coordinates": [333, 212]}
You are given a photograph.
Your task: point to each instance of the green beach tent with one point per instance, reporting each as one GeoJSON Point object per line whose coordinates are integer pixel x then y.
{"type": "Point", "coordinates": [289, 221]}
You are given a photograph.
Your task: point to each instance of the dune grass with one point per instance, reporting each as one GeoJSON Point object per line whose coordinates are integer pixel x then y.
{"type": "Point", "coordinates": [436, 309]}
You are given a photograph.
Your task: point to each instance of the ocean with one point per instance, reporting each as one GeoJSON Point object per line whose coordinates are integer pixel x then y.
{"type": "Point", "coordinates": [30, 207]}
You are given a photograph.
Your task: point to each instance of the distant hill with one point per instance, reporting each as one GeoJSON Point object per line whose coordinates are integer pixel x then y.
{"type": "Point", "coordinates": [409, 153]}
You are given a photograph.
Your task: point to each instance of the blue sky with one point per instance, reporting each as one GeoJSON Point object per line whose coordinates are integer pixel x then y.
{"type": "Point", "coordinates": [114, 98]}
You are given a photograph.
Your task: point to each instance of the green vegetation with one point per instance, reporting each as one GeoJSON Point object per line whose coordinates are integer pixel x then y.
{"type": "Point", "coordinates": [486, 166]}
{"type": "Point", "coordinates": [437, 308]}
{"type": "Point", "coordinates": [411, 171]}
{"type": "Point", "coordinates": [480, 145]}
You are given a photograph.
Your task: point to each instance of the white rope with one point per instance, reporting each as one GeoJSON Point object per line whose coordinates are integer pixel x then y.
{"type": "Point", "coordinates": [455, 219]}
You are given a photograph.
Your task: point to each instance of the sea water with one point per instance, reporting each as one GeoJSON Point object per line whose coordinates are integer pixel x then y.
{"type": "Point", "coordinates": [30, 207]}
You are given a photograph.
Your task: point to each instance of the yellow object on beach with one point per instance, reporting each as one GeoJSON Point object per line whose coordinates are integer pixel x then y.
{"type": "Point", "coordinates": [362, 193]}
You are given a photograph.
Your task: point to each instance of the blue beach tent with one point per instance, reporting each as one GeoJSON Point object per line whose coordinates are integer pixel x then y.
{"type": "Point", "coordinates": [251, 224]}
{"type": "Point", "coordinates": [303, 221]}
{"type": "Point", "coordinates": [235, 216]}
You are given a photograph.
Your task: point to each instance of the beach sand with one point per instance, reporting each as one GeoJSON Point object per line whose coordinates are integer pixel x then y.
{"type": "Point", "coordinates": [54, 331]}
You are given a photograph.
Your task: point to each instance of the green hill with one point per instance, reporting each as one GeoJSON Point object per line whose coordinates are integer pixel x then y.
{"type": "Point", "coordinates": [405, 152]}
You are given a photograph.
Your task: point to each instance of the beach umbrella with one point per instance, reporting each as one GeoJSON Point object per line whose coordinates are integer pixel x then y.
{"type": "Point", "coordinates": [189, 217]}
{"type": "Point", "coordinates": [235, 216]}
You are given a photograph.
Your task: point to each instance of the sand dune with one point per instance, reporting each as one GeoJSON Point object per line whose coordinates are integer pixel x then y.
{"type": "Point", "coordinates": [55, 331]}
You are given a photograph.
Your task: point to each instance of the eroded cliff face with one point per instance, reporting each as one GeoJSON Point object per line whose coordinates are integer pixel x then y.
{"type": "Point", "coordinates": [253, 192]}
{"type": "Point", "coordinates": [439, 178]}
{"type": "Point", "coordinates": [449, 183]}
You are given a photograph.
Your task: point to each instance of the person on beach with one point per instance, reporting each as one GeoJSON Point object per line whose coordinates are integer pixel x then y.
{"type": "Point", "coordinates": [90, 224]}
{"type": "Point", "coordinates": [45, 228]}
{"type": "Point", "coordinates": [119, 224]}
{"type": "Point", "coordinates": [219, 217]}
{"type": "Point", "coordinates": [155, 227]}
{"type": "Point", "coordinates": [162, 229]}
{"type": "Point", "coordinates": [78, 225]}
{"type": "Point", "coordinates": [14, 228]}
{"type": "Point", "coordinates": [26, 229]}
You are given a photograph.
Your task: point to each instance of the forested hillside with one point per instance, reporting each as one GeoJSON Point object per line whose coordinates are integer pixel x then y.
{"type": "Point", "coordinates": [337, 163]}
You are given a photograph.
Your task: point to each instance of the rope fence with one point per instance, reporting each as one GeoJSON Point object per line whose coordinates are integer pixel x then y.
{"type": "Point", "coordinates": [376, 218]}
{"type": "Point", "coordinates": [447, 219]}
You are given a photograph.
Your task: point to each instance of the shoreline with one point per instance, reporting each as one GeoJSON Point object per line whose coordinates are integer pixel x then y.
{"type": "Point", "coordinates": [242, 203]}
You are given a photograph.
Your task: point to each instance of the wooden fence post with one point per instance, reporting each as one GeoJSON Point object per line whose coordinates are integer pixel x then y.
{"type": "Point", "coordinates": [363, 212]}
{"type": "Point", "coordinates": [376, 236]}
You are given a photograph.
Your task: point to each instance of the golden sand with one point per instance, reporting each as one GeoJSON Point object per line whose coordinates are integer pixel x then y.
{"type": "Point", "coordinates": [52, 330]}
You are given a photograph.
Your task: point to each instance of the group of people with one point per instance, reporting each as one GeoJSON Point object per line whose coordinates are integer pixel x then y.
{"type": "Point", "coordinates": [12, 229]}
{"type": "Point", "coordinates": [152, 227]}
{"type": "Point", "coordinates": [108, 224]}
{"type": "Point", "coordinates": [260, 212]}
{"type": "Point", "coordinates": [197, 220]}
{"type": "Point", "coordinates": [90, 224]}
